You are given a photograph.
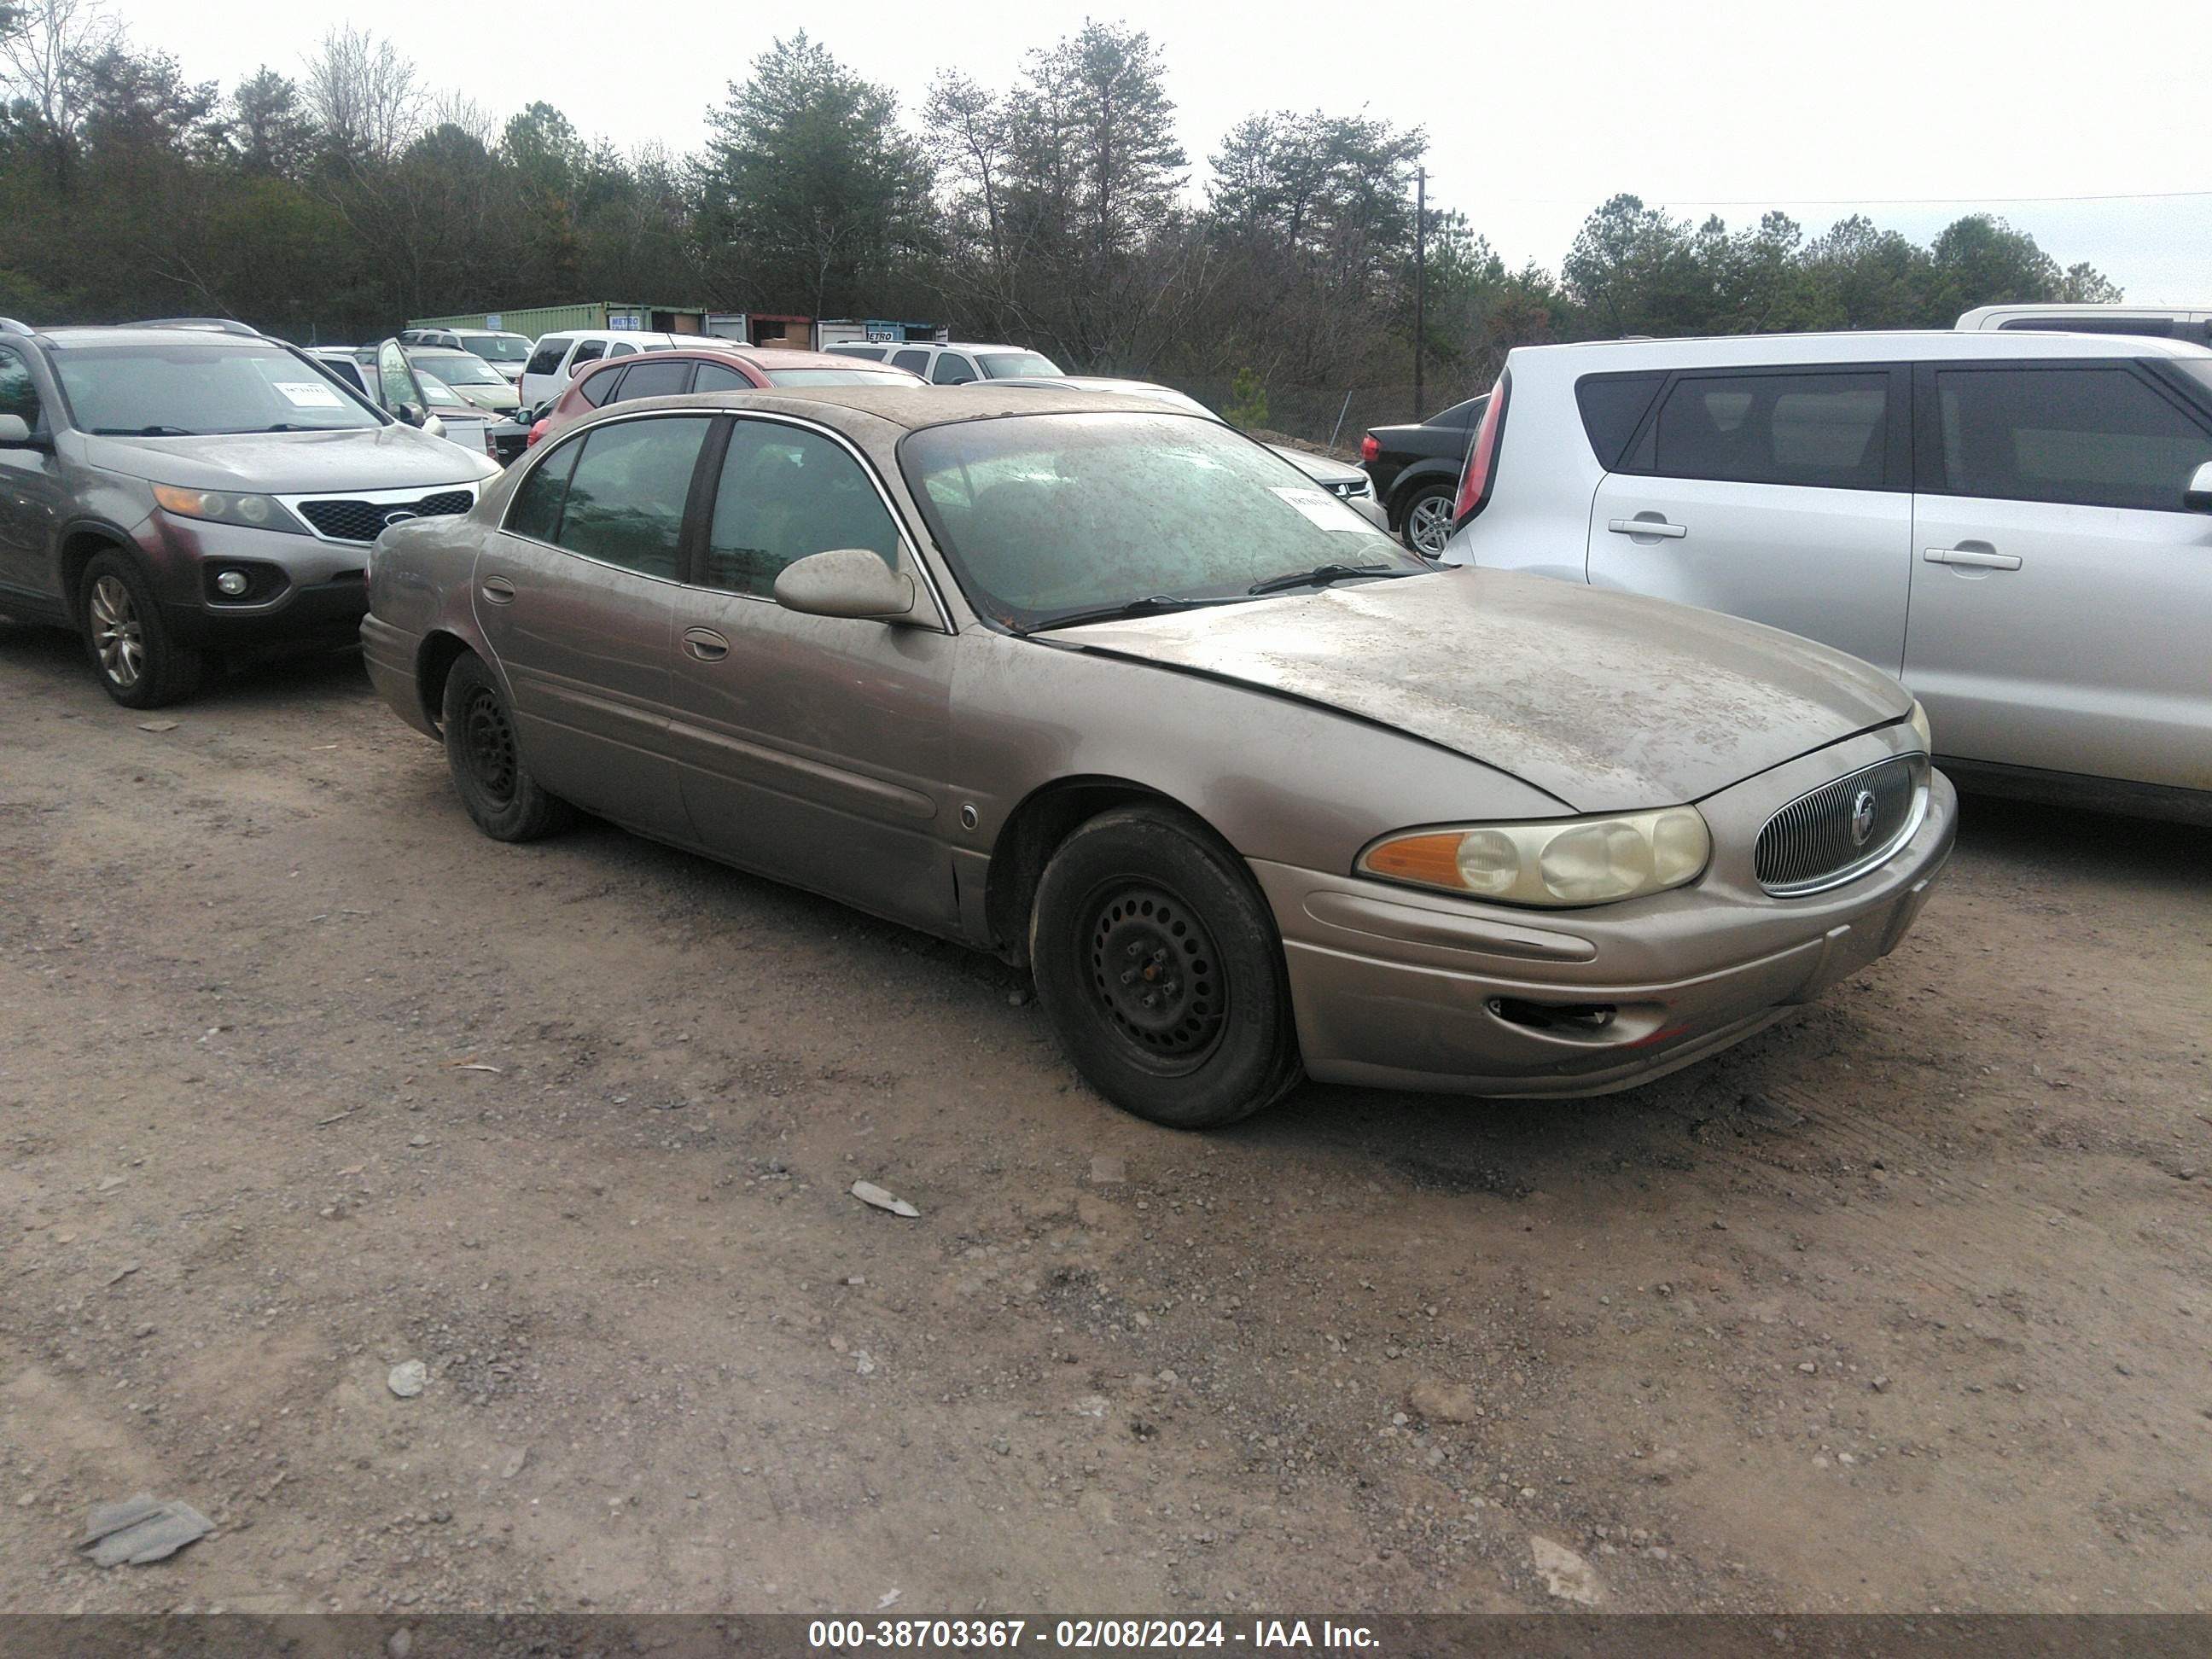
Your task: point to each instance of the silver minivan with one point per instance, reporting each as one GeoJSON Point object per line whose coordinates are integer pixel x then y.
{"type": "Point", "coordinates": [2017, 525]}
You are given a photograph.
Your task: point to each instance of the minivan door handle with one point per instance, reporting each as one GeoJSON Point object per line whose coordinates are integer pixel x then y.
{"type": "Point", "coordinates": [1651, 527]}
{"type": "Point", "coordinates": [499, 590]}
{"type": "Point", "coordinates": [705, 644]}
{"type": "Point", "coordinates": [1973, 556]}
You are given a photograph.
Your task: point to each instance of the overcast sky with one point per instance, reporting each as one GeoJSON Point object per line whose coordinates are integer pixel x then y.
{"type": "Point", "coordinates": [1912, 113]}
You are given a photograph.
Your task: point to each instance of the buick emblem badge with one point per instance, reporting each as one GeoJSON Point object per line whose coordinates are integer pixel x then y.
{"type": "Point", "coordinates": [1864, 812]}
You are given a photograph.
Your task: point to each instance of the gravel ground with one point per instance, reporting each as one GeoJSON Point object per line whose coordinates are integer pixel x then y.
{"type": "Point", "coordinates": [1905, 1305]}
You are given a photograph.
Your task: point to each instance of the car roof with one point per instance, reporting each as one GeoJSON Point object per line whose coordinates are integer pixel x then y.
{"type": "Point", "coordinates": [123, 334]}
{"type": "Point", "coordinates": [912, 407]}
{"type": "Point", "coordinates": [765, 357]}
{"type": "Point", "coordinates": [1870, 345]}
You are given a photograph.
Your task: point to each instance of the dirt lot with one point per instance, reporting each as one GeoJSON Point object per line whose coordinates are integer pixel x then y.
{"type": "Point", "coordinates": [1906, 1304]}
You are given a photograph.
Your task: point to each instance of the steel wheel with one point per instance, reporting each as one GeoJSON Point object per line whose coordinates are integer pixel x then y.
{"type": "Point", "coordinates": [1429, 526]}
{"type": "Point", "coordinates": [488, 740]}
{"type": "Point", "coordinates": [1158, 979]}
{"type": "Point", "coordinates": [117, 634]}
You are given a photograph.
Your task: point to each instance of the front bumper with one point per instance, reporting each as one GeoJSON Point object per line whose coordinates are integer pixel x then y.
{"type": "Point", "coordinates": [1397, 988]}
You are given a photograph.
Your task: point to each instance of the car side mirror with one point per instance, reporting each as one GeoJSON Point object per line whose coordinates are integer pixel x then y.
{"type": "Point", "coordinates": [409, 414]}
{"type": "Point", "coordinates": [2198, 498]}
{"type": "Point", "coordinates": [846, 581]}
{"type": "Point", "coordinates": [15, 434]}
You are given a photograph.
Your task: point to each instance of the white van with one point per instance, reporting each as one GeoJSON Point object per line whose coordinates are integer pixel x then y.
{"type": "Point", "coordinates": [557, 359]}
{"type": "Point", "coordinates": [2150, 322]}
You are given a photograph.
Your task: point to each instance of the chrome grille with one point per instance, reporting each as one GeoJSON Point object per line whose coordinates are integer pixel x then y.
{"type": "Point", "coordinates": [359, 521]}
{"type": "Point", "coordinates": [1825, 837]}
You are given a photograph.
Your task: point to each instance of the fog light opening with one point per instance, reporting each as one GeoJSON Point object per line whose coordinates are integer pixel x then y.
{"type": "Point", "coordinates": [1553, 1016]}
{"type": "Point", "coordinates": [231, 584]}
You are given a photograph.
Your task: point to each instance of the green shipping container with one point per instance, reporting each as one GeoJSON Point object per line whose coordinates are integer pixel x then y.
{"type": "Point", "coordinates": [535, 320]}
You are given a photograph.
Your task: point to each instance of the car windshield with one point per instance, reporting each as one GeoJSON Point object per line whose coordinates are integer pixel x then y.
{"type": "Point", "coordinates": [459, 368]}
{"type": "Point", "coordinates": [185, 391]}
{"type": "Point", "coordinates": [1014, 365]}
{"type": "Point", "coordinates": [437, 393]}
{"type": "Point", "coordinates": [1048, 518]}
{"type": "Point", "coordinates": [855, 375]}
{"type": "Point", "coordinates": [498, 347]}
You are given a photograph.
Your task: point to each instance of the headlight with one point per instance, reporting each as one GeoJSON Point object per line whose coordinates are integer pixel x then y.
{"type": "Point", "coordinates": [255, 512]}
{"type": "Point", "coordinates": [1919, 719]}
{"type": "Point", "coordinates": [1556, 862]}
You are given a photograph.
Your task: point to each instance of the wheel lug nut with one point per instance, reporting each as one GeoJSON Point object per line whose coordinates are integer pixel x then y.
{"type": "Point", "coordinates": [1128, 976]}
{"type": "Point", "coordinates": [1135, 950]}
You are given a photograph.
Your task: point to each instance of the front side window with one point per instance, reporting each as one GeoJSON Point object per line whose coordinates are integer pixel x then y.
{"type": "Point", "coordinates": [624, 504]}
{"type": "Point", "coordinates": [18, 395]}
{"type": "Point", "coordinates": [952, 369]}
{"type": "Point", "coordinates": [587, 351]}
{"type": "Point", "coordinates": [1047, 517]}
{"type": "Point", "coordinates": [546, 359]}
{"type": "Point", "coordinates": [2094, 437]}
{"type": "Point", "coordinates": [786, 492]}
{"type": "Point", "coordinates": [1822, 430]}
{"type": "Point", "coordinates": [665, 379]}
{"type": "Point", "coordinates": [168, 390]}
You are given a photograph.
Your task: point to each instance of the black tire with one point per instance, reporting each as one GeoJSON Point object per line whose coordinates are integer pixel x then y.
{"type": "Point", "coordinates": [496, 787]}
{"type": "Point", "coordinates": [1418, 510]}
{"type": "Point", "coordinates": [1144, 902]}
{"type": "Point", "coordinates": [140, 663]}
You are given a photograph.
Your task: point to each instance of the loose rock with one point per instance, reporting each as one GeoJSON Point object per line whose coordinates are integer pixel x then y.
{"type": "Point", "coordinates": [1567, 1575]}
{"type": "Point", "coordinates": [408, 1378]}
{"type": "Point", "coordinates": [1444, 1402]}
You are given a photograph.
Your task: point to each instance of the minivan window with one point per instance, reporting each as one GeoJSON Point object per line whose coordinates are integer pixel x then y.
{"type": "Point", "coordinates": [1824, 430]}
{"type": "Point", "coordinates": [626, 496]}
{"type": "Point", "coordinates": [2094, 437]}
{"type": "Point", "coordinates": [1613, 407]}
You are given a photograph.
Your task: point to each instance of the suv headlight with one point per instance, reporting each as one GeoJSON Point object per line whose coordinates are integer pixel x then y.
{"type": "Point", "coordinates": [1919, 719]}
{"type": "Point", "coordinates": [1556, 862]}
{"type": "Point", "coordinates": [224, 506]}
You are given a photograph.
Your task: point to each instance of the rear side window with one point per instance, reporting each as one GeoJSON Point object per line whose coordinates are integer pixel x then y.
{"type": "Point", "coordinates": [597, 390]}
{"type": "Point", "coordinates": [2094, 437]}
{"type": "Point", "coordinates": [1613, 407]}
{"type": "Point", "coordinates": [1461, 417]}
{"type": "Point", "coordinates": [1827, 431]}
{"type": "Point", "coordinates": [952, 369]}
{"type": "Point", "coordinates": [626, 494]}
{"type": "Point", "coordinates": [916, 361]}
{"type": "Point", "coordinates": [714, 377]}
{"type": "Point", "coordinates": [621, 349]}
{"type": "Point", "coordinates": [657, 380]}
{"type": "Point", "coordinates": [546, 359]}
{"type": "Point", "coordinates": [535, 511]}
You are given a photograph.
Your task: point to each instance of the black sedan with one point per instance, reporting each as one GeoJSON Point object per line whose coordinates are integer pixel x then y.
{"type": "Point", "coordinates": [1416, 470]}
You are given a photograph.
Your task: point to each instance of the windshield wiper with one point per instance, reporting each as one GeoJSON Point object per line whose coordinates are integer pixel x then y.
{"type": "Point", "coordinates": [1152, 604]}
{"type": "Point", "coordinates": [144, 432]}
{"type": "Point", "coordinates": [1323, 575]}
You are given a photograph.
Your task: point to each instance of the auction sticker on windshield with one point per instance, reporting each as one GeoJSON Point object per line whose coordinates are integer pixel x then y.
{"type": "Point", "coordinates": [309, 394]}
{"type": "Point", "coordinates": [1323, 508]}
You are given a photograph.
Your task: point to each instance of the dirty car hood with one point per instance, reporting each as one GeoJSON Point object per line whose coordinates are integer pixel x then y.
{"type": "Point", "coordinates": [1608, 701]}
{"type": "Point", "coordinates": [363, 457]}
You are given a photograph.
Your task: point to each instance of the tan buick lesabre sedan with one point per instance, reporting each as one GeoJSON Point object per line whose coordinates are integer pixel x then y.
{"type": "Point", "coordinates": [1119, 696]}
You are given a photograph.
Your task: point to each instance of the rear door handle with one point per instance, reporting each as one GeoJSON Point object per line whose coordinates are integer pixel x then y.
{"type": "Point", "coordinates": [705, 644]}
{"type": "Point", "coordinates": [1646, 527]}
{"type": "Point", "coordinates": [499, 590]}
{"type": "Point", "coordinates": [1968, 556]}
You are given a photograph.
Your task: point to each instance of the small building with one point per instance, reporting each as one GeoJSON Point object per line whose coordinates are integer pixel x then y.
{"type": "Point", "coordinates": [607, 314]}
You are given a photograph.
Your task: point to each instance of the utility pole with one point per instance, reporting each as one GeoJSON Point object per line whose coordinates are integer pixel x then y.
{"type": "Point", "coordinates": [1420, 284]}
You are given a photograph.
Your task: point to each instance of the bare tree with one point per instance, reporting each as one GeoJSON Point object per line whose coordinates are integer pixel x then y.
{"type": "Point", "coordinates": [364, 96]}
{"type": "Point", "coordinates": [46, 54]}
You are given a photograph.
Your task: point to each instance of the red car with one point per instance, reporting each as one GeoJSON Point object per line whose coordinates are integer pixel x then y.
{"type": "Point", "coordinates": [708, 368]}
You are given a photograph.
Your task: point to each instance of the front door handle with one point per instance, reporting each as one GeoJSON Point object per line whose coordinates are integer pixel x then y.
{"type": "Point", "coordinates": [705, 644]}
{"type": "Point", "coordinates": [1654, 526]}
{"type": "Point", "coordinates": [1970, 556]}
{"type": "Point", "coordinates": [499, 590]}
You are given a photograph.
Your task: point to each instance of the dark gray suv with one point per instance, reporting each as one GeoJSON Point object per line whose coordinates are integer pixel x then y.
{"type": "Point", "coordinates": [175, 490]}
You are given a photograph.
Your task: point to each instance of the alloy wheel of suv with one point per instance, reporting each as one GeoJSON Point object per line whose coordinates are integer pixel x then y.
{"type": "Point", "coordinates": [140, 665]}
{"type": "Point", "coordinates": [1429, 522]}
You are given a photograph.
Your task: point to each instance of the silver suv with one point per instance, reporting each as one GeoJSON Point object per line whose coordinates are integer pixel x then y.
{"type": "Point", "coordinates": [171, 490]}
{"type": "Point", "coordinates": [955, 364]}
{"type": "Point", "coordinates": [2015, 524]}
